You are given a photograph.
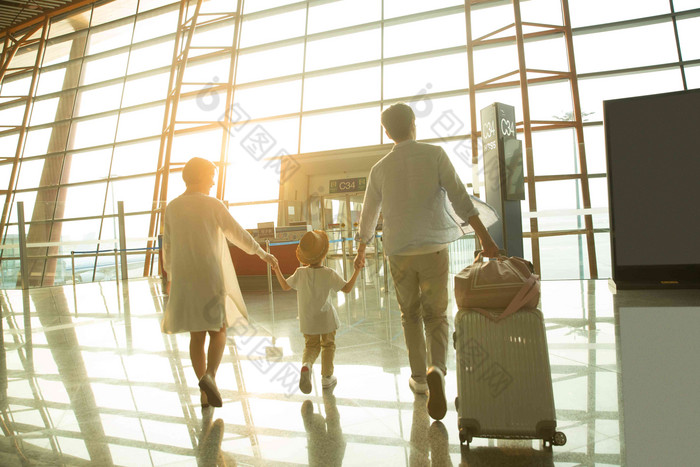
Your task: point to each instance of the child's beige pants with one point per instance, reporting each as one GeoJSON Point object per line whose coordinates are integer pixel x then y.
{"type": "Point", "coordinates": [323, 344]}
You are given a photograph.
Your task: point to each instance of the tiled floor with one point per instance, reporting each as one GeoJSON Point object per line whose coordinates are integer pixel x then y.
{"type": "Point", "coordinates": [101, 385]}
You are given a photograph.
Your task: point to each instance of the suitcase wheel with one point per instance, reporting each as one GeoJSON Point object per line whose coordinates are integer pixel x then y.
{"type": "Point", "coordinates": [464, 437]}
{"type": "Point", "coordinates": [559, 439]}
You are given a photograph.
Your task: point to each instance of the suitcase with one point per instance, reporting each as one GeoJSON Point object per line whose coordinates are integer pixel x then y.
{"type": "Point", "coordinates": [504, 379]}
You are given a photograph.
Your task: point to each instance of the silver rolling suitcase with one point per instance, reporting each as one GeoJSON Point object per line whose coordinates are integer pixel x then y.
{"type": "Point", "coordinates": [504, 378]}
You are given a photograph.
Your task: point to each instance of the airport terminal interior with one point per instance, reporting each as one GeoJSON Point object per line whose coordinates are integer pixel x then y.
{"type": "Point", "coordinates": [103, 102]}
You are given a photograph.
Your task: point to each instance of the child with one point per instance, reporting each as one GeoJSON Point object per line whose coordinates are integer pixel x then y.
{"type": "Point", "coordinates": [318, 319]}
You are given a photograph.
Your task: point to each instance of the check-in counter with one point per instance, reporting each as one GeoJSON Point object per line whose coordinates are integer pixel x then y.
{"type": "Point", "coordinates": [250, 265]}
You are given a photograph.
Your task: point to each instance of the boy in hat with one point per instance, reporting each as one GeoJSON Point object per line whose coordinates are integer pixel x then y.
{"type": "Point", "coordinates": [318, 318]}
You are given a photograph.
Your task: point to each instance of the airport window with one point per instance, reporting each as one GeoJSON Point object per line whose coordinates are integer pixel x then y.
{"type": "Point", "coordinates": [102, 91]}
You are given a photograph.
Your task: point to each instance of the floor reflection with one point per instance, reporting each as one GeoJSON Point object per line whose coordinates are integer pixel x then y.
{"type": "Point", "coordinates": [105, 387]}
{"type": "Point", "coordinates": [508, 453]}
{"type": "Point", "coordinates": [209, 453]}
{"type": "Point", "coordinates": [325, 441]}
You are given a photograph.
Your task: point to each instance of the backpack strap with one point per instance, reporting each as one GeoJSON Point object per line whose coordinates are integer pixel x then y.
{"type": "Point", "coordinates": [527, 292]}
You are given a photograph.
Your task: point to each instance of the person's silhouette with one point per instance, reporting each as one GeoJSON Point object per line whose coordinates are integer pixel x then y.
{"type": "Point", "coordinates": [209, 452]}
{"type": "Point", "coordinates": [439, 445]}
{"type": "Point", "coordinates": [326, 443]}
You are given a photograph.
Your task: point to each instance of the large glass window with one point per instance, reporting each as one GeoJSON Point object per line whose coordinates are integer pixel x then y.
{"type": "Point", "coordinates": [84, 200]}
{"type": "Point", "coordinates": [689, 35]}
{"type": "Point", "coordinates": [93, 132]}
{"type": "Point", "coordinates": [271, 28]}
{"type": "Point", "coordinates": [140, 123]}
{"type": "Point", "coordinates": [426, 75]}
{"type": "Point", "coordinates": [439, 118]}
{"type": "Point", "coordinates": [598, 89]}
{"type": "Point", "coordinates": [156, 24]}
{"type": "Point", "coordinates": [109, 37]}
{"type": "Point", "coordinates": [326, 131]}
{"type": "Point", "coordinates": [97, 100]}
{"type": "Point", "coordinates": [151, 56]}
{"type": "Point", "coordinates": [270, 63]}
{"type": "Point", "coordinates": [692, 76]}
{"type": "Point", "coordinates": [309, 77]}
{"type": "Point", "coordinates": [626, 48]}
{"type": "Point", "coordinates": [436, 33]}
{"type": "Point", "coordinates": [269, 100]}
{"type": "Point", "coordinates": [357, 47]}
{"type": "Point", "coordinates": [337, 15]}
{"type": "Point", "coordinates": [395, 8]}
{"type": "Point", "coordinates": [338, 89]}
{"type": "Point", "coordinates": [591, 12]}
{"type": "Point", "coordinates": [104, 68]}
{"type": "Point", "coordinates": [554, 152]}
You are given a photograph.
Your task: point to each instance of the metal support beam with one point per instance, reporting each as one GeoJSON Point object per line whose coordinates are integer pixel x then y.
{"type": "Point", "coordinates": [527, 130]}
{"type": "Point", "coordinates": [21, 140]}
{"type": "Point", "coordinates": [183, 40]}
{"type": "Point", "coordinates": [519, 77]}
{"type": "Point", "coordinates": [578, 124]}
{"type": "Point", "coordinates": [189, 21]}
{"type": "Point", "coordinates": [24, 274]}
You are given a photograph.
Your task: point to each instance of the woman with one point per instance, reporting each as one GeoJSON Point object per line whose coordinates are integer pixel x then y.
{"type": "Point", "coordinates": [204, 292]}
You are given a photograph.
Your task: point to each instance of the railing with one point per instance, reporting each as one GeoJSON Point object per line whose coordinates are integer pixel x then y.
{"type": "Point", "coordinates": [16, 256]}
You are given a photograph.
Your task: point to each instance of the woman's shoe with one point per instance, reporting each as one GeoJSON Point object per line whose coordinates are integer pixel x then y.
{"type": "Point", "coordinates": [208, 385]}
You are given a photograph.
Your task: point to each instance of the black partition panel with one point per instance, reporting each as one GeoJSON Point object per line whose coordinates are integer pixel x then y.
{"type": "Point", "coordinates": [653, 157]}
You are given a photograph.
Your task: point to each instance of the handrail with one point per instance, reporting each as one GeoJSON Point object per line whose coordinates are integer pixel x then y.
{"type": "Point", "coordinates": [115, 249]}
{"type": "Point", "coordinates": [296, 242]}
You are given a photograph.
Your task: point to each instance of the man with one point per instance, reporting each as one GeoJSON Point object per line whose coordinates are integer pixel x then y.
{"type": "Point", "coordinates": [410, 185]}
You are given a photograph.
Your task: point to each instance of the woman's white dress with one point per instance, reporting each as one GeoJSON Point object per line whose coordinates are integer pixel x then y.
{"type": "Point", "coordinates": [204, 291]}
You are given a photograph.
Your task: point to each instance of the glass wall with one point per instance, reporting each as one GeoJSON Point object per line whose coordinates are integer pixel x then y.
{"type": "Point", "coordinates": [304, 77]}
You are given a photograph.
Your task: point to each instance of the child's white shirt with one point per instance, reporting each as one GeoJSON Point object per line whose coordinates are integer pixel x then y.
{"type": "Point", "coordinates": [314, 286]}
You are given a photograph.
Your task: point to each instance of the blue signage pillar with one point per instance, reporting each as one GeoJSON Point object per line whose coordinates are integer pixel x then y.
{"type": "Point", "coordinates": [503, 175]}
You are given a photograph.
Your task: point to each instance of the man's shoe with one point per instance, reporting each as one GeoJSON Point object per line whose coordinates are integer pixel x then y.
{"type": "Point", "coordinates": [305, 378]}
{"type": "Point", "coordinates": [328, 381]}
{"type": "Point", "coordinates": [437, 404]}
{"type": "Point", "coordinates": [416, 387]}
{"type": "Point", "coordinates": [208, 385]}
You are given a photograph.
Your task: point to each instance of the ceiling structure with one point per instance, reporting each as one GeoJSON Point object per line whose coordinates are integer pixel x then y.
{"type": "Point", "coordinates": [16, 12]}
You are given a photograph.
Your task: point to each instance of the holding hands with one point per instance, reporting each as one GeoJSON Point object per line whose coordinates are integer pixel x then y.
{"type": "Point", "coordinates": [360, 257]}
{"type": "Point", "coordinates": [357, 265]}
{"type": "Point", "coordinates": [271, 260]}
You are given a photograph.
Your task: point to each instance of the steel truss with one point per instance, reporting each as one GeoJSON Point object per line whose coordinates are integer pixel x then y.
{"type": "Point", "coordinates": [522, 76]}
{"type": "Point", "coordinates": [12, 45]}
{"type": "Point", "coordinates": [190, 19]}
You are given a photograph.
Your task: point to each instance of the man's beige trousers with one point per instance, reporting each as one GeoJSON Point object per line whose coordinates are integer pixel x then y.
{"type": "Point", "coordinates": [421, 289]}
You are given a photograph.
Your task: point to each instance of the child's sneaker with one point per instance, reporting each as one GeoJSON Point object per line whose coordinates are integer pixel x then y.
{"type": "Point", "coordinates": [328, 381]}
{"type": "Point", "coordinates": [305, 378]}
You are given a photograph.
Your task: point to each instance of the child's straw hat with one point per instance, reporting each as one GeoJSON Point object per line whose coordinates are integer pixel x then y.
{"type": "Point", "coordinates": [313, 246]}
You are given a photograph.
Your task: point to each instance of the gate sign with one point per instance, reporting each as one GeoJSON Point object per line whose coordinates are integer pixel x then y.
{"type": "Point", "coordinates": [266, 230]}
{"type": "Point", "coordinates": [347, 185]}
